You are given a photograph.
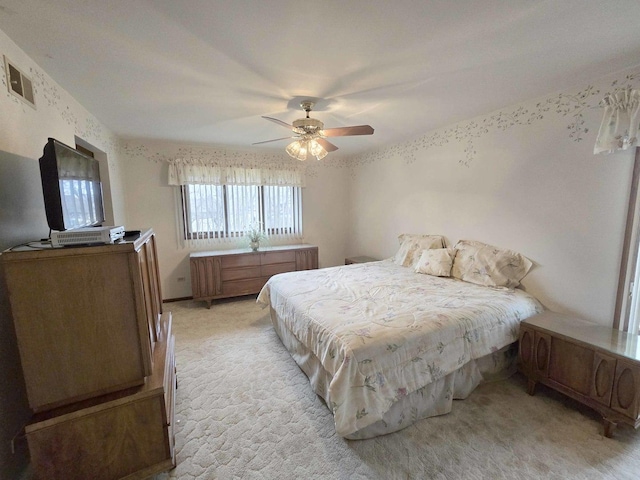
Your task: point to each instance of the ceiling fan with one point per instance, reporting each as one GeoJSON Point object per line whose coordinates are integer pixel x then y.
{"type": "Point", "coordinates": [310, 134]}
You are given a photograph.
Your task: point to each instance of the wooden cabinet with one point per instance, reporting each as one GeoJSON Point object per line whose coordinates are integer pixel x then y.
{"type": "Point", "coordinates": [86, 319]}
{"type": "Point", "coordinates": [97, 358]}
{"type": "Point", "coordinates": [596, 365]}
{"type": "Point", "coordinates": [231, 273]}
{"type": "Point", "coordinates": [126, 434]}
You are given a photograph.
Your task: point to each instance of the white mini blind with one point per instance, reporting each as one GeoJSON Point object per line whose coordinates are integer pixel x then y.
{"type": "Point", "coordinates": [222, 213]}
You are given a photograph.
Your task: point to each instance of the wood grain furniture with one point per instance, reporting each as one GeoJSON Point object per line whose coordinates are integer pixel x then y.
{"type": "Point", "coordinates": [231, 273]}
{"type": "Point", "coordinates": [593, 364]}
{"type": "Point", "coordinates": [126, 434]}
{"type": "Point", "coordinates": [360, 259]}
{"type": "Point", "coordinates": [97, 358]}
{"type": "Point", "coordinates": [86, 318]}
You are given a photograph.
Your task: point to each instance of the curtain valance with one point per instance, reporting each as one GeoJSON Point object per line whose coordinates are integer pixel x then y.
{"type": "Point", "coordinates": [620, 123]}
{"type": "Point", "coordinates": [190, 172]}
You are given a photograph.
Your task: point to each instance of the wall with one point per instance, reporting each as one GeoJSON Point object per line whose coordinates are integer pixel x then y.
{"type": "Point", "coordinates": [23, 134]}
{"type": "Point", "coordinates": [153, 203]}
{"type": "Point", "coordinates": [523, 178]}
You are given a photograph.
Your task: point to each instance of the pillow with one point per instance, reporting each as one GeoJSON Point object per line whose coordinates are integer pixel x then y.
{"type": "Point", "coordinates": [477, 262]}
{"type": "Point", "coordinates": [411, 247]}
{"type": "Point", "coordinates": [437, 261]}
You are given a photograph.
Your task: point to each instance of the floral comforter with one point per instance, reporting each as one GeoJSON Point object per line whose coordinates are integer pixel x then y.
{"type": "Point", "coordinates": [383, 331]}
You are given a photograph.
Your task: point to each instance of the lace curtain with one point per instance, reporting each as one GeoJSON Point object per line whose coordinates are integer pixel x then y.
{"type": "Point", "coordinates": [197, 172]}
{"type": "Point", "coordinates": [621, 121]}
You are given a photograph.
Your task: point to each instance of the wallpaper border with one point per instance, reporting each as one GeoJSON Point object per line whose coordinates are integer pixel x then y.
{"type": "Point", "coordinates": [567, 105]}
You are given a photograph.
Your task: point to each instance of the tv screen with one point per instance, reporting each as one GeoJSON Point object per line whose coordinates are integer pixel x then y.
{"type": "Point", "coordinates": [71, 187]}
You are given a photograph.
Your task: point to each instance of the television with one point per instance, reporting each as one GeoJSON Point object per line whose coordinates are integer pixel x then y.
{"type": "Point", "coordinates": [71, 187]}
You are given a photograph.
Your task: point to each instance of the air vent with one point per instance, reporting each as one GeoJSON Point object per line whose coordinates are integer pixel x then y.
{"type": "Point", "coordinates": [19, 84]}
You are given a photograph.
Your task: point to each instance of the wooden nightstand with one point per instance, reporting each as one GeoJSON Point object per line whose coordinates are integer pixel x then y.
{"type": "Point", "coordinates": [362, 259]}
{"type": "Point", "coordinates": [593, 364]}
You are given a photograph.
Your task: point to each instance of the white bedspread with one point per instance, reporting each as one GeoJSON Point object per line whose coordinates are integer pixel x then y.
{"type": "Point", "coordinates": [383, 331]}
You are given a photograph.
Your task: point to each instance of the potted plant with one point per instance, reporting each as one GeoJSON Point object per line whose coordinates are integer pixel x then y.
{"type": "Point", "coordinates": [255, 234]}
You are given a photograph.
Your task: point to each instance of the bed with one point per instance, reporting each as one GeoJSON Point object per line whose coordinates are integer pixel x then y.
{"type": "Point", "coordinates": [384, 345]}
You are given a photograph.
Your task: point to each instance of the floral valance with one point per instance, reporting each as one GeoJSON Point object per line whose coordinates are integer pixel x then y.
{"type": "Point", "coordinates": [620, 123]}
{"type": "Point", "coordinates": [189, 172]}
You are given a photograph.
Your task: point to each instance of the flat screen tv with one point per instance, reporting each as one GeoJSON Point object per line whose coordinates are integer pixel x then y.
{"type": "Point", "coordinates": [71, 187]}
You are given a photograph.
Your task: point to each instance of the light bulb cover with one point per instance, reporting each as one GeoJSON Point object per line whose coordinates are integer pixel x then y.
{"type": "Point", "coordinates": [301, 148]}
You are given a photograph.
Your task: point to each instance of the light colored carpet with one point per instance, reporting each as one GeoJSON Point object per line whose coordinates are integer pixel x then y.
{"type": "Point", "coordinates": [245, 410]}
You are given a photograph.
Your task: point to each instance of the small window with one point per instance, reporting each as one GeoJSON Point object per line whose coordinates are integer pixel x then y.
{"type": "Point", "coordinates": [227, 211]}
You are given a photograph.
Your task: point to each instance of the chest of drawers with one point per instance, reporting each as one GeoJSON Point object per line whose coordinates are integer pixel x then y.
{"type": "Point", "coordinates": [231, 273]}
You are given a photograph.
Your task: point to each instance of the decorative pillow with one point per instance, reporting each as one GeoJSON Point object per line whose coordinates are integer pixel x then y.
{"type": "Point", "coordinates": [411, 247]}
{"type": "Point", "coordinates": [437, 261]}
{"type": "Point", "coordinates": [477, 262]}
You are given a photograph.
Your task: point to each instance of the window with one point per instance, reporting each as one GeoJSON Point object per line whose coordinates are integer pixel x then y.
{"type": "Point", "coordinates": [627, 309]}
{"type": "Point", "coordinates": [226, 211]}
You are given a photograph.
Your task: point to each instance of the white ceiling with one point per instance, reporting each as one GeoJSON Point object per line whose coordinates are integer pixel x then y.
{"type": "Point", "coordinates": [203, 71]}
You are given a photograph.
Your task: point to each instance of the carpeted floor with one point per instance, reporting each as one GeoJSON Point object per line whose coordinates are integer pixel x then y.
{"type": "Point", "coordinates": [245, 410]}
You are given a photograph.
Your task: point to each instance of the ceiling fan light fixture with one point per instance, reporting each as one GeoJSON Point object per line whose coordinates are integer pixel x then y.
{"type": "Point", "coordinates": [300, 149]}
{"type": "Point", "coordinates": [317, 150]}
{"type": "Point", "coordinates": [311, 135]}
{"type": "Point", "coordinates": [297, 150]}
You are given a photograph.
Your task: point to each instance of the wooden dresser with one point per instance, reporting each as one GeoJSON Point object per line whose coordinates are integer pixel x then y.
{"type": "Point", "coordinates": [125, 434]}
{"type": "Point", "coordinates": [97, 358]}
{"type": "Point", "coordinates": [231, 273]}
{"type": "Point", "coordinates": [591, 363]}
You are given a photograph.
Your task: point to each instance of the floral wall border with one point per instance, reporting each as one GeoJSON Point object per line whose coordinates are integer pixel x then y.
{"type": "Point", "coordinates": [140, 149]}
{"type": "Point", "coordinates": [568, 105]}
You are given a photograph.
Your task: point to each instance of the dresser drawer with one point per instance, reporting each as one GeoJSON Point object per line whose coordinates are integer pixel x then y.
{"type": "Point", "coordinates": [243, 287]}
{"type": "Point", "coordinates": [269, 270]}
{"type": "Point", "coordinates": [240, 273]}
{"type": "Point", "coordinates": [245, 260]}
{"type": "Point", "coordinates": [269, 258]}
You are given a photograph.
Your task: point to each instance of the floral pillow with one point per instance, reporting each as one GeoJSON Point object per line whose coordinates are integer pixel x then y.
{"type": "Point", "coordinates": [411, 247]}
{"type": "Point", "coordinates": [477, 262]}
{"type": "Point", "coordinates": [437, 262]}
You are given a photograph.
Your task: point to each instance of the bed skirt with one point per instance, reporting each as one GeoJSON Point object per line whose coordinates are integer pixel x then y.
{"type": "Point", "coordinates": [429, 401]}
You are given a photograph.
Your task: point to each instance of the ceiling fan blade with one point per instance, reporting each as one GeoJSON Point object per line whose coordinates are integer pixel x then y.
{"type": "Point", "coordinates": [279, 122]}
{"type": "Point", "coordinates": [328, 146]}
{"type": "Point", "coordinates": [346, 131]}
{"type": "Point", "coordinates": [274, 140]}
